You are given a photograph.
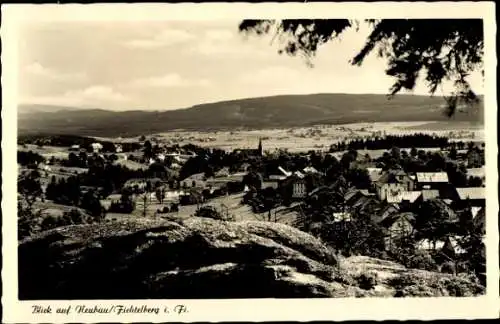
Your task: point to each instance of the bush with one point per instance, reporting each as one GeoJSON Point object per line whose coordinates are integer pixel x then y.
{"type": "Point", "coordinates": [208, 212]}
{"type": "Point", "coordinates": [448, 267]}
{"type": "Point", "coordinates": [422, 261]}
{"type": "Point", "coordinates": [121, 207]}
{"type": "Point", "coordinates": [367, 281]}
{"type": "Point", "coordinates": [461, 287]}
{"type": "Point", "coordinates": [455, 286]}
{"type": "Point", "coordinates": [49, 222]}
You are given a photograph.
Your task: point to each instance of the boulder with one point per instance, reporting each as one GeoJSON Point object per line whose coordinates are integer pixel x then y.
{"type": "Point", "coordinates": [207, 258]}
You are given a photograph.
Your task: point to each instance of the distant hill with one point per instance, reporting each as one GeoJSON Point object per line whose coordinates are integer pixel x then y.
{"type": "Point", "coordinates": [263, 112]}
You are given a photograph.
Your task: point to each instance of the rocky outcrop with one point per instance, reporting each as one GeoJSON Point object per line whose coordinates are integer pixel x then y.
{"type": "Point", "coordinates": [193, 258]}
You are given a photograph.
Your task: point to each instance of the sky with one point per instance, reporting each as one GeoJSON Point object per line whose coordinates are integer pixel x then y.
{"type": "Point", "coordinates": [177, 64]}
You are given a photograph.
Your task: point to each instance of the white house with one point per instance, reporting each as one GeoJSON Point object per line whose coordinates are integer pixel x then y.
{"type": "Point", "coordinates": [96, 147]}
{"type": "Point", "coordinates": [118, 148]}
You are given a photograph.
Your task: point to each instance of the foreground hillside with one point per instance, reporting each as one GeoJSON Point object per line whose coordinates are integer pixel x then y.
{"type": "Point", "coordinates": [265, 112]}
{"type": "Point", "coordinates": [204, 258]}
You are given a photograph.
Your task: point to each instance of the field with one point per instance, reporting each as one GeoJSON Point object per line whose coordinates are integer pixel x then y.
{"type": "Point", "coordinates": [317, 137]}
{"type": "Point", "coordinates": [230, 204]}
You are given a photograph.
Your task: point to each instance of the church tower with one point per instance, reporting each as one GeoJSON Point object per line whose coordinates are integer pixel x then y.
{"type": "Point", "coordinates": [259, 149]}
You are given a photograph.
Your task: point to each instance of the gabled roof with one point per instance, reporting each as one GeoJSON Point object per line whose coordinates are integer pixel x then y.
{"type": "Point", "coordinates": [476, 172]}
{"type": "Point", "coordinates": [432, 177]}
{"type": "Point", "coordinates": [471, 193]}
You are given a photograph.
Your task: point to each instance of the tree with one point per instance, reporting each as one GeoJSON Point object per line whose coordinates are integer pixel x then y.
{"type": "Point", "coordinates": [452, 53]}
{"type": "Point", "coordinates": [453, 153]}
{"type": "Point", "coordinates": [90, 202]}
{"type": "Point", "coordinates": [160, 194]}
{"type": "Point", "coordinates": [359, 178]}
{"type": "Point", "coordinates": [413, 152]}
{"type": "Point", "coordinates": [433, 221]}
{"type": "Point", "coordinates": [30, 189]}
{"type": "Point", "coordinates": [148, 149]}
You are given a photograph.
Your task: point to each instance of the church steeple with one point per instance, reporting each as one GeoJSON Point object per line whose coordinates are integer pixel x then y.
{"type": "Point", "coordinates": [261, 152]}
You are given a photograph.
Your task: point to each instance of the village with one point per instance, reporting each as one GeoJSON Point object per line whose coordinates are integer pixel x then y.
{"type": "Point", "coordinates": [434, 199]}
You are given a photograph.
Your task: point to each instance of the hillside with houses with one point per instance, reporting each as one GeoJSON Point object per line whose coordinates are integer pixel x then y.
{"type": "Point", "coordinates": [423, 209]}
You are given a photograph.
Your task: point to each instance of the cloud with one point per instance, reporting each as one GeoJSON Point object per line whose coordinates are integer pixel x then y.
{"type": "Point", "coordinates": [219, 34]}
{"type": "Point", "coordinates": [37, 69]}
{"type": "Point", "coordinates": [273, 74]}
{"type": "Point", "coordinates": [164, 38]}
{"type": "Point", "coordinates": [169, 80]}
{"type": "Point", "coordinates": [97, 95]}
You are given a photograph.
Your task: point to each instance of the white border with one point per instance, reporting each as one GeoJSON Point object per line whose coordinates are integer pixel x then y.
{"type": "Point", "coordinates": [249, 309]}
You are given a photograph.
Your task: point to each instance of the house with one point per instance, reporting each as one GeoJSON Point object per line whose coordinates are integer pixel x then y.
{"type": "Point", "coordinates": [294, 186]}
{"type": "Point", "coordinates": [449, 246]}
{"type": "Point", "coordinates": [477, 172]}
{"type": "Point", "coordinates": [384, 211]}
{"type": "Point", "coordinates": [341, 217]}
{"type": "Point", "coordinates": [397, 227]}
{"type": "Point", "coordinates": [431, 180]}
{"type": "Point", "coordinates": [118, 148]}
{"type": "Point", "coordinates": [392, 184]}
{"type": "Point", "coordinates": [472, 196]}
{"type": "Point", "coordinates": [96, 147]}
{"type": "Point", "coordinates": [340, 220]}
{"type": "Point", "coordinates": [197, 180]}
{"type": "Point", "coordinates": [365, 204]}
{"type": "Point", "coordinates": [374, 174]}
{"type": "Point", "coordinates": [44, 167]}
{"type": "Point", "coordinates": [140, 183]}
{"type": "Point", "coordinates": [299, 188]}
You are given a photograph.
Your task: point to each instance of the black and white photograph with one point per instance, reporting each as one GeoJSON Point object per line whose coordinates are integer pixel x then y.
{"type": "Point", "coordinates": [248, 157]}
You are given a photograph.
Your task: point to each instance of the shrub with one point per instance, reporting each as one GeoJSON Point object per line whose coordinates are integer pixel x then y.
{"type": "Point", "coordinates": [448, 267]}
{"type": "Point", "coordinates": [367, 280]}
{"type": "Point", "coordinates": [461, 287]}
{"type": "Point", "coordinates": [208, 212]}
{"type": "Point", "coordinates": [422, 261]}
{"type": "Point", "coordinates": [48, 223]}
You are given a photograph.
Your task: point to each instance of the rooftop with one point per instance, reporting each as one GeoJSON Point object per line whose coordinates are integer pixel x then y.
{"type": "Point", "coordinates": [471, 193]}
{"type": "Point", "coordinates": [432, 177]}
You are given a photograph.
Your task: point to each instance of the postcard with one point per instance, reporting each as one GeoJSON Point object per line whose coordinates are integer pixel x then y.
{"type": "Point", "coordinates": [256, 162]}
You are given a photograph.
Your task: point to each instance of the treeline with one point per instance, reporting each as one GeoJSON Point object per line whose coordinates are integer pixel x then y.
{"type": "Point", "coordinates": [70, 140]}
{"type": "Point", "coordinates": [389, 141]}
{"type": "Point", "coordinates": [29, 158]}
